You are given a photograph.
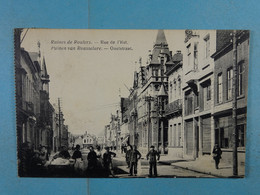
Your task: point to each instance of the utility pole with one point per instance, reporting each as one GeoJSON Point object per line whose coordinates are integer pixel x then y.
{"type": "Point", "coordinates": [59, 123]}
{"type": "Point", "coordinates": [234, 104]}
{"type": "Point", "coordinates": [117, 130]}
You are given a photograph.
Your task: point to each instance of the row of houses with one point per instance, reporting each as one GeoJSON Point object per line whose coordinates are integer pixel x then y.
{"type": "Point", "coordinates": [37, 120]}
{"type": "Point", "coordinates": [182, 103]}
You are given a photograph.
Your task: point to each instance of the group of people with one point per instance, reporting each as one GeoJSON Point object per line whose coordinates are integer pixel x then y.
{"type": "Point", "coordinates": [31, 162]}
{"type": "Point", "coordinates": [98, 165]}
{"type": "Point", "coordinates": [133, 156]}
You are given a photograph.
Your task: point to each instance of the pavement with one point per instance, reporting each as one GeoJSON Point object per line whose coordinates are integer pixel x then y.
{"type": "Point", "coordinates": [204, 166]}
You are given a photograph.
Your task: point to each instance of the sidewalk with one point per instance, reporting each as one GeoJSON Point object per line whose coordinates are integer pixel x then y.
{"type": "Point", "coordinates": [207, 165]}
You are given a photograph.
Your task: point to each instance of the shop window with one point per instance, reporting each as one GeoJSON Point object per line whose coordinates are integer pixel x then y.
{"type": "Point", "coordinates": [221, 138]}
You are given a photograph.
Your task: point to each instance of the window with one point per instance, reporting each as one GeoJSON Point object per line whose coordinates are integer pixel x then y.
{"type": "Point", "coordinates": [189, 104]}
{"type": "Point", "coordinates": [196, 100]}
{"type": "Point", "coordinates": [189, 55]}
{"type": "Point", "coordinates": [196, 56]}
{"type": "Point", "coordinates": [241, 135]}
{"type": "Point", "coordinates": [170, 90]}
{"type": "Point", "coordinates": [240, 79]}
{"type": "Point", "coordinates": [208, 90]}
{"type": "Point", "coordinates": [229, 83]}
{"type": "Point", "coordinates": [207, 47]}
{"type": "Point", "coordinates": [219, 88]}
{"type": "Point", "coordinates": [175, 86]}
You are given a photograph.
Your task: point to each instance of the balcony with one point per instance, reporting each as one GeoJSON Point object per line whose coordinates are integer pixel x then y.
{"type": "Point", "coordinates": [173, 107]}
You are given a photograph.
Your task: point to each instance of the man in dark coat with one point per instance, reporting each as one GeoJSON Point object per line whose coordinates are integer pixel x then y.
{"type": "Point", "coordinates": [134, 157]}
{"type": "Point", "coordinates": [92, 162]}
{"type": "Point", "coordinates": [127, 155]}
{"type": "Point", "coordinates": [107, 162]}
{"type": "Point", "coordinates": [216, 155]}
{"type": "Point", "coordinates": [152, 162]}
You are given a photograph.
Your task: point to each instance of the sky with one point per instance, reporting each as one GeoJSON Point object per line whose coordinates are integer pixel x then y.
{"type": "Point", "coordinates": [91, 82]}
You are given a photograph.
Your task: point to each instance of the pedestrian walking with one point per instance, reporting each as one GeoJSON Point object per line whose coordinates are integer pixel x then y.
{"type": "Point", "coordinates": [127, 156]}
{"type": "Point", "coordinates": [92, 162]}
{"type": "Point", "coordinates": [152, 161]}
{"type": "Point", "coordinates": [134, 157]}
{"type": "Point", "coordinates": [107, 162]}
{"type": "Point", "coordinates": [216, 155]}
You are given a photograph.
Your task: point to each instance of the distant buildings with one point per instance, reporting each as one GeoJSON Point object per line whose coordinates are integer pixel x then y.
{"type": "Point", "coordinates": [89, 140]}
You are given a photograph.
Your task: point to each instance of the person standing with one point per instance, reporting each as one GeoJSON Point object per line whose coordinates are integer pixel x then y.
{"type": "Point", "coordinates": [107, 162]}
{"type": "Point", "coordinates": [216, 155]}
{"type": "Point", "coordinates": [127, 155]}
{"type": "Point", "coordinates": [152, 161]}
{"type": "Point", "coordinates": [92, 161]}
{"type": "Point", "coordinates": [134, 157]}
{"type": "Point", "coordinates": [77, 156]}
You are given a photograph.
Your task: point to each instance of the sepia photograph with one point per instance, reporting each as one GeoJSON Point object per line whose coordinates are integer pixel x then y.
{"type": "Point", "coordinates": [131, 103]}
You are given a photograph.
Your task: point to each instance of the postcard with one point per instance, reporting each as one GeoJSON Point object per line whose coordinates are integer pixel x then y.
{"type": "Point", "coordinates": [131, 103]}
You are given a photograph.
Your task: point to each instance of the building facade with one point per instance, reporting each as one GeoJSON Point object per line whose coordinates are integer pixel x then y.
{"type": "Point", "coordinates": [223, 98]}
{"type": "Point", "coordinates": [173, 110]}
{"type": "Point", "coordinates": [147, 122]}
{"type": "Point", "coordinates": [198, 93]}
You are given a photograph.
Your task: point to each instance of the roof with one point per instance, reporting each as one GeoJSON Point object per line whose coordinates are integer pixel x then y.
{"type": "Point", "coordinates": [160, 37]}
{"type": "Point", "coordinates": [44, 68]}
{"type": "Point", "coordinates": [160, 45]}
{"type": "Point", "coordinates": [34, 56]}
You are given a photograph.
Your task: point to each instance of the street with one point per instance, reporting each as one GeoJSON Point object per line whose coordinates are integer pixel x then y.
{"type": "Point", "coordinates": [164, 170]}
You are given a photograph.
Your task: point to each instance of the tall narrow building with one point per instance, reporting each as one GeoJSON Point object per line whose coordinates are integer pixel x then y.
{"type": "Point", "coordinates": [149, 97]}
